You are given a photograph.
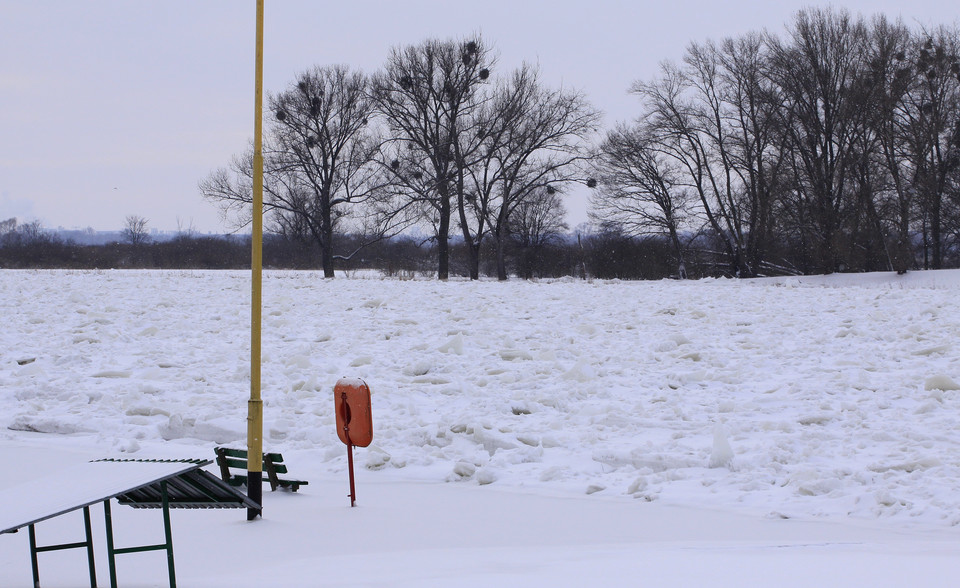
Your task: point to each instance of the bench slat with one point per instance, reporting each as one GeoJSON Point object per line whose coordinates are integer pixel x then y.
{"type": "Point", "coordinates": [240, 464]}
{"type": "Point", "coordinates": [228, 458]}
{"type": "Point", "coordinates": [242, 453]}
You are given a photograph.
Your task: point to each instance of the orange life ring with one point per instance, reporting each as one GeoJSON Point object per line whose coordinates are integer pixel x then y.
{"type": "Point", "coordinates": [351, 401]}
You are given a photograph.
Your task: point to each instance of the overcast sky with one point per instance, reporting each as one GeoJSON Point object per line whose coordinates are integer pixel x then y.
{"type": "Point", "coordinates": [117, 108]}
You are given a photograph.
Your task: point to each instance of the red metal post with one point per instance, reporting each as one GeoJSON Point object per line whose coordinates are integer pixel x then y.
{"type": "Point", "coordinates": [353, 491]}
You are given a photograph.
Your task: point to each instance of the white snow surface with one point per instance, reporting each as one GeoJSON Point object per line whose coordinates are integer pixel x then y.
{"type": "Point", "coordinates": [725, 404]}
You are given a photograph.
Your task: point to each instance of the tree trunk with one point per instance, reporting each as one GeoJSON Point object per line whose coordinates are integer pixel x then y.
{"type": "Point", "coordinates": [472, 244]}
{"type": "Point", "coordinates": [903, 255]}
{"type": "Point", "coordinates": [326, 244]}
{"type": "Point", "coordinates": [678, 247]}
{"type": "Point", "coordinates": [443, 236]}
{"type": "Point", "coordinates": [501, 260]}
{"type": "Point", "coordinates": [326, 260]}
{"type": "Point", "coordinates": [474, 250]}
{"type": "Point", "coordinates": [500, 233]}
{"type": "Point", "coordinates": [935, 232]}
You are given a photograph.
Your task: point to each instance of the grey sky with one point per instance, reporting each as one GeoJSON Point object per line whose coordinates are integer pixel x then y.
{"type": "Point", "coordinates": [110, 108]}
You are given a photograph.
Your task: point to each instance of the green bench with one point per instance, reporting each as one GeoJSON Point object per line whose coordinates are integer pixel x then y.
{"type": "Point", "coordinates": [273, 467]}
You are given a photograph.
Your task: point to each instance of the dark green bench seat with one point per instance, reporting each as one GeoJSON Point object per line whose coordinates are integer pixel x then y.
{"type": "Point", "coordinates": [273, 467]}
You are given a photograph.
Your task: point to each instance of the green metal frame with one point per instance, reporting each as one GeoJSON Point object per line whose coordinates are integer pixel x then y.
{"type": "Point", "coordinates": [192, 488]}
{"type": "Point", "coordinates": [112, 551]}
{"type": "Point", "coordinates": [34, 550]}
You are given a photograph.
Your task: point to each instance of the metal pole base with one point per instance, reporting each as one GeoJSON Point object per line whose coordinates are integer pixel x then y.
{"type": "Point", "coordinates": [255, 492]}
{"type": "Point", "coordinates": [353, 490]}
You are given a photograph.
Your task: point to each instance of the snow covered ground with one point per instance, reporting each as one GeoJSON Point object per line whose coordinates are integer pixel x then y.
{"type": "Point", "coordinates": [791, 431]}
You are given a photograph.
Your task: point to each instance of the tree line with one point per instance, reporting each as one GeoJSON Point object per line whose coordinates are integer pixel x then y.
{"type": "Point", "coordinates": [832, 147]}
{"type": "Point", "coordinates": [439, 140]}
{"type": "Point", "coordinates": [588, 255]}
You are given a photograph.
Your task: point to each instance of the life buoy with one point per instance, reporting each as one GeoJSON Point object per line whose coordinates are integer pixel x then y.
{"type": "Point", "coordinates": [351, 401]}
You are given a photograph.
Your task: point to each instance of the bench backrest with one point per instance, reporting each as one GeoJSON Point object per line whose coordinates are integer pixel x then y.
{"type": "Point", "coordinates": [237, 459]}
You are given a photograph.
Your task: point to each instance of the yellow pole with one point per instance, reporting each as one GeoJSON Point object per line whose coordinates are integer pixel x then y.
{"type": "Point", "coordinates": [255, 405]}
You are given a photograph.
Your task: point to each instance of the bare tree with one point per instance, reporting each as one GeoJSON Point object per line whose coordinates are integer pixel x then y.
{"type": "Point", "coordinates": [639, 189]}
{"type": "Point", "coordinates": [185, 229]}
{"type": "Point", "coordinates": [428, 94]}
{"type": "Point", "coordinates": [754, 144]}
{"type": "Point", "coordinates": [881, 174]}
{"type": "Point", "coordinates": [534, 144]}
{"type": "Point", "coordinates": [536, 222]}
{"type": "Point", "coordinates": [682, 121]}
{"type": "Point", "coordinates": [933, 134]}
{"type": "Point", "coordinates": [135, 231]}
{"type": "Point", "coordinates": [824, 117]}
{"type": "Point", "coordinates": [8, 226]}
{"type": "Point", "coordinates": [319, 165]}
{"type": "Point", "coordinates": [713, 122]}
